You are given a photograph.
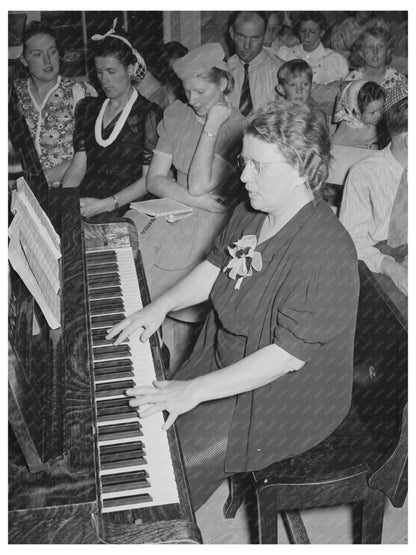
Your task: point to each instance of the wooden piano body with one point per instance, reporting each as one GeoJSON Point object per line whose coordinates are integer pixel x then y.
{"type": "Point", "coordinates": [53, 480]}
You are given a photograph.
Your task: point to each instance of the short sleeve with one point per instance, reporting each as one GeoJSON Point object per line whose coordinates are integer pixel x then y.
{"type": "Point", "coordinates": [309, 317]}
{"type": "Point", "coordinates": [168, 128]}
{"type": "Point", "coordinates": [230, 138]}
{"type": "Point", "coordinates": [151, 137]}
{"type": "Point", "coordinates": [81, 90]}
{"type": "Point", "coordinates": [81, 124]}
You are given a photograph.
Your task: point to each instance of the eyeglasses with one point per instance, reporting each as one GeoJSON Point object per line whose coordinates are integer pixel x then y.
{"type": "Point", "coordinates": [254, 165]}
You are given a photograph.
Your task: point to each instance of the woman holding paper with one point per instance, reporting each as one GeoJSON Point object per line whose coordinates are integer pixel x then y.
{"type": "Point", "coordinates": [114, 139]}
{"type": "Point", "coordinates": [201, 140]}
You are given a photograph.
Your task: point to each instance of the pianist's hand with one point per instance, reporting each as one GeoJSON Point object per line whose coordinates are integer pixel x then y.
{"type": "Point", "coordinates": [148, 319]}
{"type": "Point", "coordinates": [175, 397]}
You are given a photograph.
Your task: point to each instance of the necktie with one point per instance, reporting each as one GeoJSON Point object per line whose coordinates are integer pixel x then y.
{"type": "Point", "coordinates": [246, 104]}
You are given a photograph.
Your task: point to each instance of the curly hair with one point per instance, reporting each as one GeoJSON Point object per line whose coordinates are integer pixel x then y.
{"type": "Point", "coordinates": [38, 28]}
{"type": "Point", "coordinates": [114, 48]}
{"type": "Point", "coordinates": [300, 133]}
{"type": "Point", "coordinates": [316, 17]}
{"type": "Point", "coordinates": [357, 60]}
{"type": "Point", "coordinates": [396, 117]}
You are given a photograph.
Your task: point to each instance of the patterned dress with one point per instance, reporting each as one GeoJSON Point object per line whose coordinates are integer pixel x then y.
{"type": "Point", "coordinates": [51, 124]}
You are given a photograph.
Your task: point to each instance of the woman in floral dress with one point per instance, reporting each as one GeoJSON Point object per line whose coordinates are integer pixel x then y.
{"type": "Point", "coordinates": [48, 100]}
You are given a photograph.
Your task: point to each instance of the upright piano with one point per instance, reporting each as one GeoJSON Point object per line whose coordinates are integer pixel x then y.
{"type": "Point", "coordinates": [83, 467]}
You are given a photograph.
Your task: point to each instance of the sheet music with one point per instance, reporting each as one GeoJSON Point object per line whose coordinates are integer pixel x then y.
{"type": "Point", "coordinates": [34, 252]}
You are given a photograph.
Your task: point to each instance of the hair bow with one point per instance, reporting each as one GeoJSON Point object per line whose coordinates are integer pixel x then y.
{"type": "Point", "coordinates": [140, 65]}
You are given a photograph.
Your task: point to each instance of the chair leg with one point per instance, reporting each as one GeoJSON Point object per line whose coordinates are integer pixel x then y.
{"type": "Point", "coordinates": [372, 518]}
{"type": "Point", "coordinates": [267, 514]}
{"type": "Point", "coordinates": [294, 527]}
{"type": "Point", "coordinates": [239, 484]}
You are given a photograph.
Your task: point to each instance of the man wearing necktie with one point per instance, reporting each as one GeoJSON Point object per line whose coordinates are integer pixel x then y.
{"type": "Point", "coordinates": [254, 68]}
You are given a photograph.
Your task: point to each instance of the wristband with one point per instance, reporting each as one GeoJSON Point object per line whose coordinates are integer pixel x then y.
{"type": "Point", "coordinates": [209, 134]}
{"type": "Point", "coordinates": [115, 202]}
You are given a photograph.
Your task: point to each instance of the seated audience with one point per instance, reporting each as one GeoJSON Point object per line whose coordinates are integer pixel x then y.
{"type": "Point", "coordinates": [358, 111]}
{"type": "Point", "coordinates": [48, 100]}
{"type": "Point", "coordinates": [345, 33]}
{"type": "Point", "coordinates": [371, 54]}
{"type": "Point", "coordinates": [201, 140]}
{"type": "Point", "coordinates": [278, 33]}
{"type": "Point", "coordinates": [371, 189]}
{"type": "Point", "coordinates": [252, 66]}
{"type": "Point", "coordinates": [114, 138]}
{"type": "Point", "coordinates": [171, 86]}
{"type": "Point", "coordinates": [261, 384]}
{"type": "Point", "coordinates": [326, 64]}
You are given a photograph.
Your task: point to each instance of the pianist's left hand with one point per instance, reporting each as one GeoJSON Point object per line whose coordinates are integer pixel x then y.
{"type": "Point", "coordinates": [175, 396]}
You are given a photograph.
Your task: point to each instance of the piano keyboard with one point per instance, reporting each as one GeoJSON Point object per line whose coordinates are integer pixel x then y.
{"type": "Point", "coordinates": [135, 467]}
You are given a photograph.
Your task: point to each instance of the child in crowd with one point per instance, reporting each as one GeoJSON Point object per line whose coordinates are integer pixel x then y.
{"type": "Point", "coordinates": [358, 111]}
{"type": "Point", "coordinates": [294, 82]}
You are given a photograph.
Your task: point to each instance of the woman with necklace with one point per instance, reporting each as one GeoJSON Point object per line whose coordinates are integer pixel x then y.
{"type": "Point", "coordinates": [114, 139]}
{"type": "Point", "coordinates": [48, 100]}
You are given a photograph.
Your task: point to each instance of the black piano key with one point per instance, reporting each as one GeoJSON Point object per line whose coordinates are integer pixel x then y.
{"type": "Point", "coordinates": [111, 351]}
{"type": "Point", "coordinates": [113, 388]}
{"type": "Point", "coordinates": [113, 376]}
{"type": "Point", "coordinates": [120, 431]}
{"type": "Point", "coordinates": [106, 321]}
{"type": "Point", "coordinates": [121, 447]}
{"type": "Point", "coordinates": [112, 403]}
{"type": "Point", "coordinates": [128, 500]}
{"type": "Point", "coordinates": [92, 259]}
{"type": "Point", "coordinates": [112, 365]}
{"type": "Point", "coordinates": [122, 414]}
{"type": "Point", "coordinates": [121, 458]}
{"type": "Point", "coordinates": [102, 268]}
{"type": "Point", "coordinates": [99, 334]}
{"type": "Point", "coordinates": [101, 253]}
{"type": "Point", "coordinates": [106, 306]}
{"type": "Point", "coordinates": [103, 280]}
{"type": "Point", "coordinates": [105, 292]}
{"type": "Point", "coordinates": [124, 481]}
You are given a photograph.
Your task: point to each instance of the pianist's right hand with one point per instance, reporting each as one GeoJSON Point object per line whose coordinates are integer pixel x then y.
{"type": "Point", "coordinates": [149, 319]}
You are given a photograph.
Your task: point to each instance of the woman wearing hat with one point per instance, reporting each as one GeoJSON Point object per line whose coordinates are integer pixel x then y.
{"type": "Point", "coordinates": [201, 140]}
{"type": "Point", "coordinates": [113, 140]}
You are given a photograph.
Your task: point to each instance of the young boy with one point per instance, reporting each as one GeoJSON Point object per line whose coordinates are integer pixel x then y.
{"type": "Point", "coordinates": [294, 80]}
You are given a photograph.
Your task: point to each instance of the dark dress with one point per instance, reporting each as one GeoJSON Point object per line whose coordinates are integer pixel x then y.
{"type": "Point", "coordinates": [304, 299]}
{"type": "Point", "coordinates": [113, 168]}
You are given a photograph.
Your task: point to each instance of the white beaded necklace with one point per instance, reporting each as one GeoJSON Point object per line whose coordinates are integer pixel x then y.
{"type": "Point", "coordinates": [120, 122]}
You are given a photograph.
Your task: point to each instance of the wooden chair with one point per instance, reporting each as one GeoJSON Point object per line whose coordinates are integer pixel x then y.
{"type": "Point", "coordinates": [365, 459]}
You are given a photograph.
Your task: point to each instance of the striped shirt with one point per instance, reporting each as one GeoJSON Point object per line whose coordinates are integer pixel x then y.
{"type": "Point", "coordinates": [367, 203]}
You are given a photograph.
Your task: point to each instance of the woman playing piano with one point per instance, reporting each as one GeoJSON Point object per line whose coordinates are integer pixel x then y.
{"type": "Point", "coordinates": [48, 100]}
{"type": "Point", "coordinates": [271, 372]}
{"type": "Point", "coordinates": [114, 138]}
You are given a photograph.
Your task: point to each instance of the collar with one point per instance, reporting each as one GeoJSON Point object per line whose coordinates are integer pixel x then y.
{"type": "Point", "coordinates": [259, 59]}
{"type": "Point", "coordinates": [45, 100]}
{"type": "Point", "coordinates": [316, 54]}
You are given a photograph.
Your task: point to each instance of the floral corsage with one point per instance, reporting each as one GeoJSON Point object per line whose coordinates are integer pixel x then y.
{"type": "Point", "coordinates": [244, 259]}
